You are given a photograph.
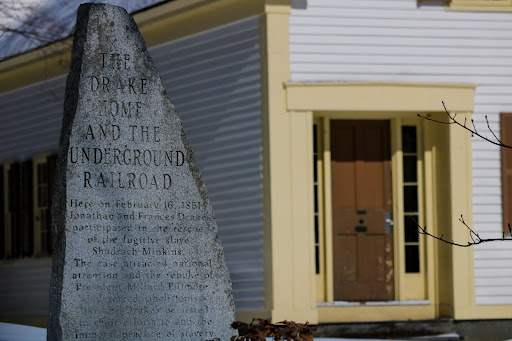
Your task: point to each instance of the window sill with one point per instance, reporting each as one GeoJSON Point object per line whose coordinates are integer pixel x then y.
{"type": "Point", "coordinates": [507, 8]}
{"type": "Point", "coordinates": [372, 303]}
{"type": "Point", "coordinates": [26, 261]}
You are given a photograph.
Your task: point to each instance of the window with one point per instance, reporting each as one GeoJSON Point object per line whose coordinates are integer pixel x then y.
{"type": "Point", "coordinates": [315, 194]}
{"type": "Point", "coordinates": [44, 169]}
{"type": "Point", "coordinates": [26, 188]}
{"type": "Point", "coordinates": [410, 194]}
{"type": "Point", "coordinates": [318, 214]}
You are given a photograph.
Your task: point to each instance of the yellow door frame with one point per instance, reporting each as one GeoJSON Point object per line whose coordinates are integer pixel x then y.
{"type": "Point", "coordinates": [400, 102]}
{"type": "Point", "coordinates": [408, 286]}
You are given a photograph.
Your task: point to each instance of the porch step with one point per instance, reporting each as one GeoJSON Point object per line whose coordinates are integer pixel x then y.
{"type": "Point", "coordinates": [440, 337]}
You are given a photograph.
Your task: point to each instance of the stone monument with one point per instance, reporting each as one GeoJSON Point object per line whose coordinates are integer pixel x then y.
{"type": "Point", "coordinates": [137, 255]}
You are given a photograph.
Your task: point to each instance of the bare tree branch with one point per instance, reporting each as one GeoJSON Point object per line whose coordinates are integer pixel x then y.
{"type": "Point", "coordinates": [476, 239]}
{"type": "Point", "coordinates": [472, 130]}
{"type": "Point", "coordinates": [35, 22]}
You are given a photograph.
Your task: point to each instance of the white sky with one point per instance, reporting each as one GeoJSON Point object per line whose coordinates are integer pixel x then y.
{"type": "Point", "coordinates": [63, 17]}
{"type": "Point", "coordinates": [18, 8]}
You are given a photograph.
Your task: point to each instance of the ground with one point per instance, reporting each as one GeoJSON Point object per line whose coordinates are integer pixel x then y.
{"type": "Point", "coordinates": [17, 332]}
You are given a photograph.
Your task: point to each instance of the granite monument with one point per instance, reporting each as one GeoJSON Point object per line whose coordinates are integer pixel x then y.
{"type": "Point", "coordinates": [137, 255]}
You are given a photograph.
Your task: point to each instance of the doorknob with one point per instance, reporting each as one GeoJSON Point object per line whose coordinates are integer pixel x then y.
{"type": "Point", "coordinates": [389, 222]}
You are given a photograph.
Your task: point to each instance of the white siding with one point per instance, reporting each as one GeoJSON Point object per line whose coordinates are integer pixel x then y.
{"type": "Point", "coordinates": [31, 118]}
{"type": "Point", "coordinates": [25, 286]}
{"type": "Point", "coordinates": [213, 78]}
{"type": "Point", "coordinates": [395, 40]}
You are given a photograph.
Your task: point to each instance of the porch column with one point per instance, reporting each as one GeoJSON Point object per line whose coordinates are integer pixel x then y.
{"type": "Point", "coordinates": [461, 203]}
{"type": "Point", "coordinates": [288, 181]}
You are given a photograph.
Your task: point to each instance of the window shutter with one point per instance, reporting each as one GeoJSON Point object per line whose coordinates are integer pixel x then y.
{"type": "Point", "coordinates": [506, 169]}
{"type": "Point", "coordinates": [27, 208]}
{"type": "Point", "coordinates": [469, 3]}
{"type": "Point", "coordinates": [2, 208]}
{"type": "Point", "coordinates": [434, 1]}
{"type": "Point", "coordinates": [51, 161]}
{"type": "Point", "coordinates": [15, 208]}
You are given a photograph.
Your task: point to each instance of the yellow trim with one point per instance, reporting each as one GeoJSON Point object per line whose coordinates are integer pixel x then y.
{"type": "Point", "coordinates": [35, 321]}
{"type": "Point", "coordinates": [35, 66]}
{"type": "Point", "coordinates": [302, 219]}
{"type": "Point", "coordinates": [248, 315]}
{"type": "Point", "coordinates": [290, 288]}
{"type": "Point", "coordinates": [265, 142]}
{"type": "Point", "coordinates": [480, 9]}
{"type": "Point", "coordinates": [329, 252]}
{"type": "Point", "coordinates": [321, 289]}
{"type": "Point", "coordinates": [375, 313]}
{"type": "Point", "coordinates": [438, 215]}
{"type": "Point", "coordinates": [484, 3]}
{"type": "Point", "coordinates": [379, 96]}
{"type": "Point", "coordinates": [407, 286]}
{"type": "Point", "coordinates": [430, 197]}
{"type": "Point", "coordinates": [178, 19]}
{"type": "Point", "coordinates": [398, 209]}
{"type": "Point", "coordinates": [481, 5]}
{"type": "Point", "coordinates": [461, 203]}
{"type": "Point", "coordinates": [414, 284]}
{"type": "Point", "coordinates": [399, 102]}
{"type": "Point", "coordinates": [455, 149]}
{"type": "Point", "coordinates": [423, 285]}
{"type": "Point", "coordinates": [427, 272]}
{"type": "Point", "coordinates": [159, 24]}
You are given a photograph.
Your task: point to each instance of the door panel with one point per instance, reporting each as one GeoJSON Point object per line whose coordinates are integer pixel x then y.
{"type": "Point", "coordinates": [361, 196]}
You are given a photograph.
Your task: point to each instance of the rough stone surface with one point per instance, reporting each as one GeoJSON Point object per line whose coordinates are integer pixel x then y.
{"type": "Point", "coordinates": [137, 256]}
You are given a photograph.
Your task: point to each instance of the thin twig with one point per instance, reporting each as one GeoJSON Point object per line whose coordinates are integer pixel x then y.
{"type": "Point", "coordinates": [474, 236]}
{"type": "Point", "coordinates": [472, 130]}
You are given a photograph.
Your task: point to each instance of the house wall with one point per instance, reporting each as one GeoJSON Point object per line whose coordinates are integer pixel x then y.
{"type": "Point", "coordinates": [31, 118]}
{"type": "Point", "coordinates": [213, 78]}
{"type": "Point", "coordinates": [373, 40]}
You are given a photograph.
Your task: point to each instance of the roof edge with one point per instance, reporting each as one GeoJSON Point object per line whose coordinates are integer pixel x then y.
{"type": "Point", "coordinates": [185, 17]}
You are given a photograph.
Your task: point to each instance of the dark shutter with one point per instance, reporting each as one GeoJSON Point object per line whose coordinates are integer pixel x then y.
{"type": "Point", "coordinates": [51, 161]}
{"type": "Point", "coordinates": [2, 209]}
{"type": "Point", "coordinates": [27, 209]}
{"type": "Point", "coordinates": [446, 2]}
{"type": "Point", "coordinates": [506, 168]}
{"type": "Point", "coordinates": [14, 205]}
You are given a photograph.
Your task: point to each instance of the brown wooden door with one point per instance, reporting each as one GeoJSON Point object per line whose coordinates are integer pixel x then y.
{"type": "Point", "coordinates": [361, 198]}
